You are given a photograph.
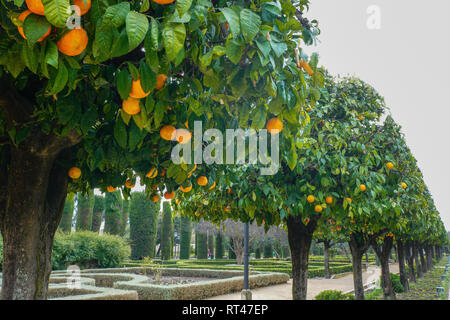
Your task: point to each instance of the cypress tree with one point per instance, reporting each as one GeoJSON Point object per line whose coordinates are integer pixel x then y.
{"type": "Point", "coordinates": [268, 252]}
{"type": "Point", "coordinates": [211, 243]}
{"type": "Point", "coordinates": [202, 250]}
{"type": "Point", "coordinates": [258, 252]}
{"type": "Point", "coordinates": [185, 237]}
{"type": "Point", "coordinates": [143, 224]}
{"type": "Point", "coordinates": [231, 254]}
{"type": "Point", "coordinates": [85, 208]}
{"type": "Point", "coordinates": [166, 231]}
{"type": "Point", "coordinates": [125, 214]}
{"type": "Point", "coordinates": [97, 213]}
{"type": "Point", "coordinates": [219, 246]}
{"type": "Point", "coordinates": [196, 244]}
{"type": "Point", "coordinates": [66, 221]}
{"type": "Point", "coordinates": [113, 205]}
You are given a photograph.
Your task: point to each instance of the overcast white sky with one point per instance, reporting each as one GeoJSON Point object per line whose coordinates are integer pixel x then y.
{"type": "Point", "coordinates": [408, 61]}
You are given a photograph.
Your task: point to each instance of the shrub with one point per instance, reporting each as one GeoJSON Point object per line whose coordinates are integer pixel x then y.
{"type": "Point", "coordinates": [88, 250]}
{"type": "Point", "coordinates": [334, 295]}
{"type": "Point", "coordinates": [185, 237]}
{"type": "Point", "coordinates": [166, 231]}
{"type": "Point", "coordinates": [1, 252]}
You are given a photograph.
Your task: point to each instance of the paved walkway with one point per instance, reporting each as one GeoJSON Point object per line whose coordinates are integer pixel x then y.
{"type": "Point", "coordinates": [315, 286]}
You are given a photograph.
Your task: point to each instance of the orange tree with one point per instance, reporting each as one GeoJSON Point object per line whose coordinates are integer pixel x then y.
{"type": "Point", "coordinates": [315, 180]}
{"type": "Point", "coordinates": [103, 98]}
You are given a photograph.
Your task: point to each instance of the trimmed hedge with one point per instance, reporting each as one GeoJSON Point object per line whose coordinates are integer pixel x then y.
{"type": "Point", "coordinates": [166, 231]}
{"type": "Point", "coordinates": [334, 295]}
{"type": "Point", "coordinates": [97, 213]}
{"type": "Point", "coordinates": [220, 250]}
{"type": "Point", "coordinates": [185, 237]}
{"type": "Point", "coordinates": [143, 224]}
{"type": "Point", "coordinates": [113, 215]}
{"type": "Point", "coordinates": [255, 265]}
{"type": "Point", "coordinates": [65, 224]}
{"type": "Point", "coordinates": [202, 242]}
{"type": "Point", "coordinates": [85, 207]}
{"type": "Point", "coordinates": [88, 250]}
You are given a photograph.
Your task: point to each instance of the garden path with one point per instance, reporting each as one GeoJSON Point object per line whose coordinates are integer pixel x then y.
{"type": "Point", "coordinates": [315, 286]}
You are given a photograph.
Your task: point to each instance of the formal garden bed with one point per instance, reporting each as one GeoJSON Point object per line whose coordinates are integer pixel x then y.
{"type": "Point", "coordinates": [316, 266]}
{"type": "Point", "coordinates": [155, 283]}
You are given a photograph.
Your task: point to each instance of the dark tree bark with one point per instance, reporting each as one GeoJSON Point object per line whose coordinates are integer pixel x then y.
{"type": "Point", "coordinates": [36, 193]}
{"type": "Point", "coordinates": [423, 263]}
{"type": "Point", "coordinates": [409, 253]}
{"type": "Point", "coordinates": [34, 187]}
{"type": "Point", "coordinates": [383, 253]}
{"type": "Point", "coordinates": [326, 258]}
{"type": "Point", "coordinates": [429, 256]}
{"type": "Point", "coordinates": [401, 265]}
{"type": "Point", "coordinates": [416, 260]}
{"type": "Point", "coordinates": [300, 237]}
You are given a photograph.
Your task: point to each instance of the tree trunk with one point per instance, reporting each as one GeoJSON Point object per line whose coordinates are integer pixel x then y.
{"type": "Point", "coordinates": [416, 260]}
{"type": "Point", "coordinates": [383, 253]}
{"type": "Point", "coordinates": [429, 253]}
{"type": "Point", "coordinates": [409, 252]}
{"type": "Point", "coordinates": [37, 188]}
{"type": "Point", "coordinates": [422, 260]}
{"type": "Point", "coordinates": [358, 246]}
{"type": "Point", "coordinates": [401, 265]}
{"type": "Point", "coordinates": [326, 258]}
{"type": "Point", "coordinates": [300, 238]}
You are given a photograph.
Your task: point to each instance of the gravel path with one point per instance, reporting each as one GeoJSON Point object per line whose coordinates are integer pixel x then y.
{"type": "Point", "coordinates": [315, 286]}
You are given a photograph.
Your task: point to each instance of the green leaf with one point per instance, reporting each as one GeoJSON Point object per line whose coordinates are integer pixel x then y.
{"type": "Point", "coordinates": [120, 133]}
{"type": "Point", "coordinates": [152, 39]}
{"type": "Point", "coordinates": [57, 12]}
{"type": "Point", "coordinates": [232, 18]}
{"type": "Point", "coordinates": [258, 118]}
{"type": "Point", "coordinates": [183, 6]}
{"type": "Point", "coordinates": [35, 27]}
{"type": "Point", "coordinates": [145, 6]}
{"type": "Point", "coordinates": [88, 120]}
{"type": "Point", "coordinates": [148, 77]}
{"type": "Point", "coordinates": [135, 136]}
{"type": "Point", "coordinates": [31, 57]}
{"type": "Point", "coordinates": [115, 15]}
{"type": "Point", "coordinates": [51, 54]}
{"type": "Point", "coordinates": [234, 50]}
{"type": "Point", "coordinates": [160, 110]}
{"type": "Point", "coordinates": [61, 79]}
{"type": "Point", "coordinates": [250, 24]}
{"type": "Point", "coordinates": [123, 83]}
{"type": "Point", "coordinates": [136, 26]}
{"type": "Point", "coordinates": [101, 48]}
{"type": "Point", "coordinates": [173, 38]}
{"type": "Point", "coordinates": [133, 71]}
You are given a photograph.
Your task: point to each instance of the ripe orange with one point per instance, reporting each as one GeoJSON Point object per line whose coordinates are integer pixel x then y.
{"type": "Point", "coordinates": [155, 198]}
{"type": "Point", "coordinates": [202, 181]}
{"type": "Point", "coordinates": [131, 106]}
{"type": "Point", "coordinates": [310, 199]}
{"type": "Point", "coordinates": [229, 191]}
{"type": "Point", "coordinates": [152, 173]}
{"type": "Point", "coordinates": [227, 208]}
{"type": "Point", "coordinates": [305, 65]}
{"type": "Point", "coordinates": [22, 18]}
{"type": "Point", "coordinates": [349, 200]}
{"type": "Point", "coordinates": [160, 80]}
{"type": "Point", "coordinates": [318, 208]}
{"type": "Point", "coordinates": [187, 189]}
{"type": "Point", "coordinates": [183, 136]}
{"type": "Point", "coordinates": [274, 126]}
{"type": "Point", "coordinates": [177, 201]}
{"type": "Point", "coordinates": [74, 173]}
{"type": "Point", "coordinates": [212, 187]}
{"type": "Point", "coordinates": [84, 7]}
{"type": "Point", "coordinates": [73, 43]}
{"type": "Point", "coordinates": [136, 89]}
{"type": "Point", "coordinates": [163, 1]}
{"type": "Point", "coordinates": [389, 165]}
{"type": "Point", "coordinates": [167, 132]}
{"type": "Point", "coordinates": [362, 188]}
{"type": "Point", "coordinates": [329, 200]}
{"type": "Point", "coordinates": [404, 185]}
{"type": "Point", "coordinates": [110, 188]}
{"type": "Point", "coordinates": [35, 6]}
{"type": "Point", "coordinates": [186, 124]}
{"type": "Point", "coordinates": [128, 184]}
{"type": "Point", "coordinates": [169, 195]}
